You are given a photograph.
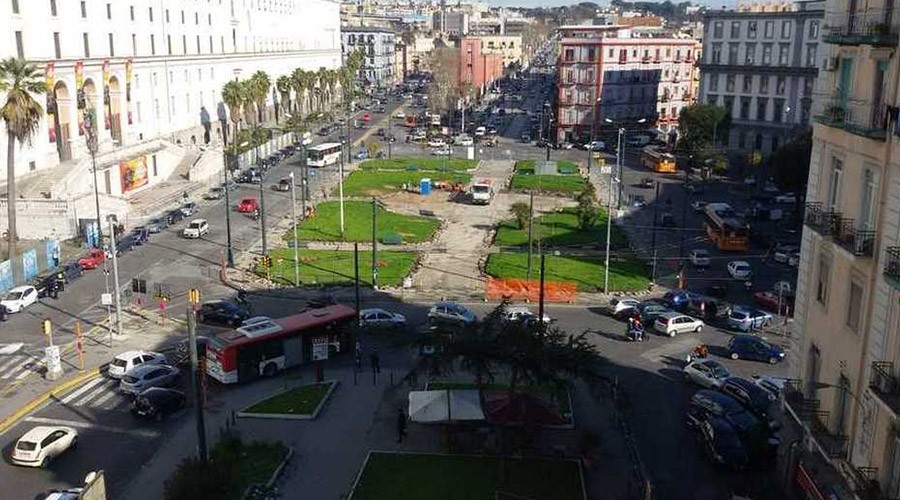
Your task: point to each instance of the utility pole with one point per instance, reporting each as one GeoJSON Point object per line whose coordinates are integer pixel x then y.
{"type": "Point", "coordinates": [374, 243]}
{"type": "Point", "coordinates": [116, 294]}
{"type": "Point", "coordinates": [303, 171]}
{"type": "Point", "coordinates": [194, 301]}
{"type": "Point", "coordinates": [608, 234]}
{"type": "Point", "coordinates": [684, 205]}
{"type": "Point", "coordinates": [229, 252]}
{"type": "Point", "coordinates": [541, 296]}
{"type": "Point", "coordinates": [619, 162]}
{"type": "Point", "coordinates": [262, 212]}
{"type": "Point", "coordinates": [356, 274]}
{"type": "Point", "coordinates": [653, 238]}
{"type": "Point", "coordinates": [530, 232]}
{"type": "Point", "coordinates": [294, 228]}
{"type": "Point", "coordinates": [341, 188]}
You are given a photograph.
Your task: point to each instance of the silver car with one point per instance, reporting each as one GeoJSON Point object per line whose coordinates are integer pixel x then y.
{"type": "Point", "coordinates": [144, 377]}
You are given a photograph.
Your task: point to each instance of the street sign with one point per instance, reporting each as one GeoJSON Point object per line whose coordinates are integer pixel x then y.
{"type": "Point", "coordinates": [605, 169]}
{"type": "Point", "coordinates": [320, 348]}
{"type": "Point", "coordinates": [106, 299]}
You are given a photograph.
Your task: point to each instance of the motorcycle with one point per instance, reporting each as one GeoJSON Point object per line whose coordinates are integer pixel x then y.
{"type": "Point", "coordinates": [635, 332]}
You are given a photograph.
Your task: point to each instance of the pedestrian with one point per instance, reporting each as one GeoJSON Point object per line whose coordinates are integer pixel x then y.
{"type": "Point", "coordinates": [376, 365]}
{"type": "Point", "coordinates": [401, 425]}
{"type": "Point", "coordinates": [55, 257]}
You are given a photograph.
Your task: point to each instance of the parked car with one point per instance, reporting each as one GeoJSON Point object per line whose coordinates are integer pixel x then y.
{"type": "Point", "coordinates": [674, 323]}
{"type": "Point", "coordinates": [94, 258]}
{"type": "Point", "coordinates": [71, 271]}
{"type": "Point", "coordinates": [196, 228]}
{"type": "Point", "coordinates": [699, 258]}
{"type": "Point", "coordinates": [362, 154]}
{"type": "Point", "coordinates": [746, 319]}
{"type": "Point", "coordinates": [786, 198]}
{"type": "Point", "coordinates": [140, 235]}
{"type": "Point", "coordinates": [464, 140]}
{"type": "Point", "coordinates": [248, 205]}
{"type": "Point", "coordinates": [379, 318]}
{"type": "Point", "coordinates": [650, 310]}
{"type": "Point", "coordinates": [754, 398]}
{"type": "Point", "coordinates": [722, 444]}
{"type": "Point", "coordinates": [524, 315]}
{"type": "Point", "coordinates": [616, 305]}
{"type": "Point", "coordinates": [221, 313]}
{"type": "Point", "coordinates": [43, 443]}
{"type": "Point", "coordinates": [677, 299]}
{"type": "Point", "coordinates": [740, 270]}
{"type": "Point", "coordinates": [441, 151]}
{"type": "Point", "coordinates": [283, 185]}
{"type": "Point", "coordinates": [174, 217]}
{"type": "Point", "coordinates": [19, 298]}
{"type": "Point", "coordinates": [783, 252]}
{"type": "Point", "coordinates": [66, 494]}
{"type": "Point", "coordinates": [756, 434]}
{"type": "Point", "coordinates": [771, 384]}
{"type": "Point", "coordinates": [45, 284]}
{"type": "Point", "coordinates": [127, 360]}
{"type": "Point", "coordinates": [189, 209]}
{"type": "Point", "coordinates": [141, 378]}
{"type": "Point", "coordinates": [754, 348]}
{"type": "Point", "coordinates": [595, 146]}
{"type": "Point", "coordinates": [706, 373]}
{"type": "Point", "coordinates": [156, 403]}
{"type": "Point", "coordinates": [450, 312]}
{"type": "Point", "coordinates": [437, 143]}
{"type": "Point", "coordinates": [698, 205]}
{"type": "Point", "coordinates": [157, 224]}
{"type": "Point", "coordinates": [772, 302]}
{"type": "Point", "coordinates": [216, 193]}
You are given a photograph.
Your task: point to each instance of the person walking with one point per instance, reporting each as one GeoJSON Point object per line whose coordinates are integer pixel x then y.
{"type": "Point", "coordinates": [401, 425]}
{"type": "Point", "coordinates": [376, 365]}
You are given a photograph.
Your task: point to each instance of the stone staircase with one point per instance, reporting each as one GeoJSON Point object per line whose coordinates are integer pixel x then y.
{"type": "Point", "coordinates": [41, 184]}
{"type": "Point", "coordinates": [183, 170]}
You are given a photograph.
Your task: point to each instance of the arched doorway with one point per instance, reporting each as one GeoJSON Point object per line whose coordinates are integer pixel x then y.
{"type": "Point", "coordinates": [114, 110]}
{"type": "Point", "coordinates": [61, 120]}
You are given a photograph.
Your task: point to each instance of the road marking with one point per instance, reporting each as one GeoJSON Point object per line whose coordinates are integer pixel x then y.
{"type": "Point", "coordinates": [10, 363]}
{"type": "Point", "coordinates": [103, 399]}
{"type": "Point", "coordinates": [679, 346]}
{"type": "Point", "coordinates": [86, 387]}
{"type": "Point", "coordinates": [85, 425]}
{"type": "Point", "coordinates": [26, 372]}
{"type": "Point", "coordinates": [99, 390]}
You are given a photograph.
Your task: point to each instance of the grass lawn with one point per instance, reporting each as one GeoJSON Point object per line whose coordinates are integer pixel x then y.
{"type": "Point", "coordinates": [546, 392]}
{"type": "Point", "coordinates": [390, 476]}
{"type": "Point", "coordinates": [370, 183]}
{"type": "Point", "coordinates": [560, 229]}
{"type": "Point", "coordinates": [419, 163]}
{"type": "Point", "coordinates": [562, 167]}
{"type": "Point", "coordinates": [336, 266]}
{"type": "Point", "coordinates": [567, 184]}
{"type": "Point", "coordinates": [326, 225]}
{"type": "Point", "coordinates": [257, 463]}
{"type": "Point", "coordinates": [301, 400]}
{"type": "Point", "coordinates": [626, 274]}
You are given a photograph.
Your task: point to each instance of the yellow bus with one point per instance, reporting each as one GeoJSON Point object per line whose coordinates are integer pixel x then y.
{"type": "Point", "coordinates": [725, 229]}
{"type": "Point", "coordinates": [658, 161]}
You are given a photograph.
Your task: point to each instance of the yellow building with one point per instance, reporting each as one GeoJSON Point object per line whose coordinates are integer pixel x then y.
{"type": "Point", "coordinates": [508, 46]}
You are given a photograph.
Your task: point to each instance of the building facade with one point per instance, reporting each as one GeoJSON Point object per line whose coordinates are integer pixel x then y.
{"type": "Point", "coordinates": [845, 354]}
{"type": "Point", "coordinates": [477, 68]}
{"type": "Point", "coordinates": [379, 46]}
{"type": "Point", "coordinates": [508, 46]}
{"type": "Point", "coordinates": [762, 65]}
{"type": "Point", "coordinates": [605, 72]}
{"type": "Point", "coordinates": [153, 71]}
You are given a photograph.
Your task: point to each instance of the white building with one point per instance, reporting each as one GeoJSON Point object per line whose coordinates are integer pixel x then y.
{"type": "Point", "coordinates": [379, 47]}
{"type": "Point", "coordinates": [153, 70]}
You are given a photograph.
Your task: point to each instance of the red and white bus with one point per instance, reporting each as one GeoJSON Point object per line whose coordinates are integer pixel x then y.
{"type": "Point", "coordinates": [265, 348]}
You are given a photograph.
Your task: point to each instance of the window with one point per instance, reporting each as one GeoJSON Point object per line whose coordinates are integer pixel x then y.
{"type": "Point", "coordinates": [813, 29]}
{"type": "Point", "coordinates": [210, 44]}
{"type": "Point", "coordinates": [840, 405]}
{"type": "Point", "coordinates": [172, 106]}
{"type": "Point", "coordinates": [735, 29]}
{"type": "Point", "coordinates": [867, 201]}
{"type": "Point", "coordinates": [196, 18]}
{"type": "Point", "coordinates": [751, 29]}
{"type": "Point", "coordinates": [762, 105]}
{"type": "Point", "coordinates": [780, 85]}
{"type": "Point", "coordinates": [769, 29]}
{"type": "Point", "coordinates": [109, 11]}
{"type": "Point", "coordinates": [133, 44]}
{"type": "Point", "coordinates": [716, 53]}
{"type": "Point", "coordinates": [112, 47]}
{"type": "Point", "coordinates": [833, 203]}
{"type": "Point", "coordinates": [714, 82]}
{"type": "Point", "coordinates": [717, 29]}
{"type": "Point", "coordinates": [783, 49]}
{"type": "Point", "coordinates": [83, 9]}
{"type": "Point", "coordinates": [779, 111]}
{"type": "Point", "coordinates": [152, 45]}
{"type": "Point", "coordinates": [767, 54]}
{"type": "Point", "coordinates": [184, 44]}
{"type": "Point", "coordinates": [748, 84]}
{"type": "Point", "coordinates": [156, 108]}
{"type": "Point", "coordinates": [712, 99]}
{"type": "Point", "coordinates": [209, 19]}
{"type": "Point", "coordinates": [53, 8]}
{"type": "Point", "coordinates": [169, 43]}
{"type": "Point", "coordinates": [742, 139]}
{"type": "Point", "coordinates": [167, 15]}
{"type": "Point", "coordinates": [763, 84]}
{"type": "Point", "coordinates": [87, 45]}
{"type": "Point", "coordinates": [612, 53]}
{"type": "Point", "coordinates": [182, 17]}
{"type": "Point", "coordinates": [57, 50]}
{"type": "Point", "coordinates": [822, 280]}
{"type": "Point", "coordinates": [785, 29]}
{"type": "Point", "coordinates": [20, 48]}
{"type": "Point", "coordinates": [728, 103]}
{"type": "Point", "coordinates": [15, 6]}
{"type": "Point", "coordinates": [732, 53]}
{"type": "Point", "coordinates": [893, 486]}
{"type": "Point", "coordinates": [745, 108]}
{"type": "Point", "coordinates": [131, 12]}
{"type": "Point", "coordinates": [750, 53]}
{"type": "Point", "coordinates": [151, 14]}
{"type": "Point", "coordinates": [854, 305]}
{"type": "Point", "coordinates": [811, 55]}
{"type": "Point", "coordinates": [570, 55]}
{"type": "Point", "coordinates": [729, 83]}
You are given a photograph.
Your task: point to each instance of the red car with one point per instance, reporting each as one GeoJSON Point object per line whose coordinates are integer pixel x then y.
{"type": "Point", "coordinates": [769, 300]}
{"type": "Point", "coordinates": [93, 260]}
{"type": "Point", "coordinates": [366, 117]}
{"type": "Point", "coordinates": [248, 205]}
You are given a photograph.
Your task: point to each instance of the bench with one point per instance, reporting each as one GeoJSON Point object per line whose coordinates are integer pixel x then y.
{"type": "Point", "coordinates": [426, 213]}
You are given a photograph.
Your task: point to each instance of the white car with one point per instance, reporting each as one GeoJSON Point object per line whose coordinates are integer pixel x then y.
{"type": "Point", "coordinates": [19, 298]}
{"type": "Point", "coordinates": [67, 494]}
{"type": "Point", "coordinates": [437, 143]}
{"type": "Point", "coordinates": [523, 313]}
{"type": "Point", "coordinates": [400, 115]}
{"type": "Point", "coordinates": [783, 253]}
{"type": "Point", "coordinates": [480, 131]}
{"type": "Point", "coordinates": [255, 320]}
{"type": "Point", "coordinates": [740, 270]}
{"type": "Point", "coordinates": [794, 260]}
{"type": "Point", "coordinates": [43, 443]}
{"type": "Point", "coordinates": [595, 146]}
{"type": "Point", "coordinates": [699, 257]}
{"type": "Point", "coordinates": [196, 228]}
{"type": "Point", "coordinates": [618, 305]}
{"type": "Point", "coordinates": [706, 373]}
{"type": "Point", "coordinates": [381, 318]}
{"type": "Point", "coordinates": [441, 151]}
{"type": "Point", "coordinates": [129, 359]}
{"type": "Point", "coordinates": [786, 198]}
{"type": "Point", "coordinates": [464, 140]}
{"type": "Point", "coordinates": [698, 205]}
{"type": "Point", "coordinates": [673, 323]}
{"type": "Point", "coordinates": [772, 384]}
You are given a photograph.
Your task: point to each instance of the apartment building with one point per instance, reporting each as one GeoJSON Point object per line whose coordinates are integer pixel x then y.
{"type": "Point", "coordinates": [508, 46]}
{"type": "Point", "coordinates": [761, 64]}
{"type": "Point", "coordinates": [476, 67]}
{"type": "Point", "coordinates": [379, 46]}
{"type": "Point", "coordinates": [845, 356]}
{"type": "Point", "coordinates": [609, 72]}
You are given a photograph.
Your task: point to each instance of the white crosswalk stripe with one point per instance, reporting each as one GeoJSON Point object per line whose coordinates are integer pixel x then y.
{"type": "Point", "coordinates": [16, 367]}
{"type": "Point", "coordinates": [99, 393]}
{"type": "Point", "coordinates": [81, 390]}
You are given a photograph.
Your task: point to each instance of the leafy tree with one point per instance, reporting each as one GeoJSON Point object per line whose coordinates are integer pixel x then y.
{"type": "Point", "coordinates": [697, 126]}
{"type": "Point", "coordinates": [373, 148]}
{"type": "Point", "coordinates": [22, 114]}
{"type": "Point", "coordinates": [520, 211]}
{"type": "Point", "coordinates": [587, 210]}
{"type": "Point", "coordinates": [790, 163]}
{"type": "Point", "coordinates": [443, 92]}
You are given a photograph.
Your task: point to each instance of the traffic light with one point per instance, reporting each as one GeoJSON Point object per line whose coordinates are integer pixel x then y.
{"type": "Point", "coordinates": [194, 296]}
{"type": "Point", "coordinates": [48, 329]}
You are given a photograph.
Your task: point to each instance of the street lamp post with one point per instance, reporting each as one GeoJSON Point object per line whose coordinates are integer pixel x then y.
{"type": "Point", "coordinates": [294, 228]}
{"type": "Point", "coordinates": [225, 186]}
{"type": "Point", "coordinates": [341, 187]}
{"type": "Point", "coordinates": [262, 212]}
{"type": "Point", "coordinates": [93, 146]}
{"type": "Point", "coordinates": [620, 160]}
{"type": "Point", "coordinates": [116, 296]}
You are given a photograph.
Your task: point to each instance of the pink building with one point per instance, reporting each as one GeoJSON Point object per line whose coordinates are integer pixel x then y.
{"type": "Point", "coordinates": [476, 67]}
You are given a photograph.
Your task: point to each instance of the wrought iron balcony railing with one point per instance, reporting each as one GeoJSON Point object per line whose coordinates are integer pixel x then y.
{"type": "Point", "coordinates": [892, 263]}
{"type": "Point", "coordinates": [864, 119]}
{"type": "Point", "coordinates": [856, 241]}
{"type": "Point", "coordinates": [824, 222]}
{"type": "Point", "coordinates": [884, 383]}
{"type": "Point", "coordinates": [874, 27]}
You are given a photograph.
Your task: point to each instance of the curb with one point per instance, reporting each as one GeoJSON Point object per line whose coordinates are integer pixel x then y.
{"type": "Point", "coordinates": [274, 477]}
{"type": "Point", "coordinates": [11, 420]}
{"type": "Point", "coordinates": [287, 416]}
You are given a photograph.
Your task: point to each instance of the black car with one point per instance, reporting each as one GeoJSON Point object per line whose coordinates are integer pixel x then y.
{"type": "Point", "coordinates": [157, 403]}
{"type": "Point", "coordinates": [46, 285]}
{"type": "Point", "coordinates": [756, 435]}
{"type": "Point", "coordinates": [140, 235]}
{"type": "Point", "coordinates": [174, 216]}
{"type": "Point", "coordinates": [756, 399]}
{"type": "Point", "coordinates": [221, 313]}
{"type": "Point", "coordinates": [71, 271]}
{"type": "Point", "coordinates": [722, 444]}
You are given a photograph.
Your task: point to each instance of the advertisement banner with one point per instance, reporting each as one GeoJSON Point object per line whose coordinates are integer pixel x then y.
{"type": "Point", "coordinates": [79, 91]}
{"type": "Point", "coordinates": [29, 264]}
{"type": "Point", "coordinates": [133, 173]}
{"type": "Point", "coordinates": [106, 118]}
{"type": "Point", "coordinates": [50, 80]}
{"type": "Point", "coordinates": [52, 251]}
{"type": "Point", "coordinates": [6, 276]}
{"type": "Point", "coordinates": [128, 89]}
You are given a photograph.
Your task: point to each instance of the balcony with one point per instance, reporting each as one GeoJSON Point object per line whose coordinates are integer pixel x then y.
{"type": "Point", "coordinates": [884, 384]}
{"type": "Point", "coordinates": [856, 241]}
{"type": "Point", "coordinates": [858, 118]}
{"type": "Point", "coordinates": [869, 27]}
{"type": "Point", "coordinates": [892, 266]}
{"type": "Point", "coordinates": [803, 406]}
{"type": "Point", "coordinates": [824, 222]}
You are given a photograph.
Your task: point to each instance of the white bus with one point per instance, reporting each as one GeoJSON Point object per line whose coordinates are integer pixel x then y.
{"type": "Point", "coordinates": [323, 154]}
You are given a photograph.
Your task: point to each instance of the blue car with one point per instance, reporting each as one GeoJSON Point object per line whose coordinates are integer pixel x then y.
{"type": "Point", "coordinates": [754, 348]}
{"type": "Point", "coordinates": [722, 443]}
{"type": "Point", "coordinates": [677, 299]}
{"type": "Point", "coordinates": [746, 319]}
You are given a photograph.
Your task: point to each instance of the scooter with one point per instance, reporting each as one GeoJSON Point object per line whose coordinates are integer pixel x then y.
{"type": "Point", "coordinates": [636, 332]}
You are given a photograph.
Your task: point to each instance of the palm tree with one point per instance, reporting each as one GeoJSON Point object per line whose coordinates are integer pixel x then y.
{"type": "Point", "coordinates": [260, 83]}
{"type": "Point", "coordinates": [321, 86]}
{"type": "Point", "coordinates": [22, 114]}
{"type": "Point", "coordinates": [232, 96]}
{"type": "Point", "coordinates": [283, 84]}
{"type": "Point", "coordinates": [300, 79]}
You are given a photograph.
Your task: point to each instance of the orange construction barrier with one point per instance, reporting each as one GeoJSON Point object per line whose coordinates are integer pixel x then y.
{"type": "Point", "coordinates": [525, 290]}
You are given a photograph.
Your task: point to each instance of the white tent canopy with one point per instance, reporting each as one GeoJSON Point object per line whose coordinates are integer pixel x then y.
{"type": "Point", "coordinates": [445, 406]}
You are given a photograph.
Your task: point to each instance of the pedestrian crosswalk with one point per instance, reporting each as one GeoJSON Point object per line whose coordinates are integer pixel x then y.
{"type": "Point", "coordinates": [16, 367]}
{"type": "Point", "coordinates": [101, 393]}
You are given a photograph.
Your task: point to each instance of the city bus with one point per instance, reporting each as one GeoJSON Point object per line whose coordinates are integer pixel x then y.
{"type": "Point", "coordinates": [658, 161]}
{"type": "Point", "coordinates": [266, 347]}
{"type": "Point", "coordinates": [725, 229]}
{"type": "Point", "coordinates": [323, 154]}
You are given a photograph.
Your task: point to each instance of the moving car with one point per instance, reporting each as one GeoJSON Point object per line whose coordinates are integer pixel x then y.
{"type": "Point", "coordinates": [784, 252]}
{"type": "Point", "coordinates": [746, 319]}
{"type": "Point", "coordinates": [127, 360]}
{"type": "Point", "coordinates": [19, 298]}
{"type": "Point", "coordinates": [523, 314]}
{"type": "Point", "coordinates": [94, 258]}
{"type": "Point", "coordinates": [617, 306]}
{"type": "Point", "coordinates": [221, 313]}
{"type": "Point", "coordinates": [673, 323]}
{"type": "Point", "coordinates": [143, 377]}
{"type": "Point", "coordinates": [247, 205]}
{"type": "Point", "coordinates": [381, 319]}
{"type": "Point", "coordinates": [450, 312]}
{"type": "Point", "coordinates": [283, 185]}
{"type": "Point", "coordinates": [754, 348]}
{"type": "Point", "coordinates": [196, 228]}
{"type": "Point", "coordinates": [706, 373]}
{"type": "Point", "coordinates": [699, 258]}
{"type": "Point", "coordinates": [595, 146]}
{"type": "Point", "coordinates": [43, 443]}
{"type": "Point", "coordinates": [722, 443]}
{"type": "Point", "coordinates": [740, 270]}
{"type": "Point", "coordinates": [157, 403]}
{"type": "Point", "coordinates": [174, 216]}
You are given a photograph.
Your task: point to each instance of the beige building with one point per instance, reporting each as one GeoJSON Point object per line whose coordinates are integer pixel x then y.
{"type": "Point", "coordinates": [846, 345]}
{"type": "Point", "coordinates": [508, 46]}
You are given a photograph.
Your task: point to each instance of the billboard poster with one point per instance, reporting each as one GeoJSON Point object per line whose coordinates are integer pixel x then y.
{"type": "Point", "coordinates": [79, 90]}
{"type": "Point", "coordinates": [91, 236]}
{"type": "Point", "coordinates": [133, 173]}
{"type": "Point", "coordinates": [50, 80]}
{"type": "Point", "coordinates": [106, 118]}
{"type": "Point", "coordinates": [52, 251]}
{"type": "Point", "coordinates": [6, 276]}
{"type": "Point", "coordinates": [128, 89]}
{"type": "Point", "coordinates": [29, 264]}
